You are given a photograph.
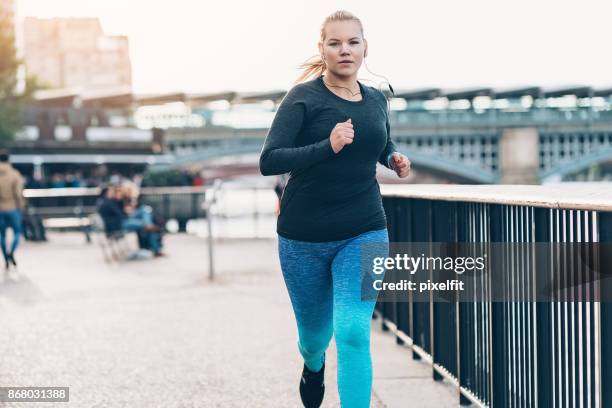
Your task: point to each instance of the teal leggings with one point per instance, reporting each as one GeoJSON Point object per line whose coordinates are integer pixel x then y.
{"type": "Point", "coordinates": [324, 280]}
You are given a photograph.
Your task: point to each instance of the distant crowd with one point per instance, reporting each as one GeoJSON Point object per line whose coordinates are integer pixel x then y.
{"type": "Point", "coordinates": [76, 179]}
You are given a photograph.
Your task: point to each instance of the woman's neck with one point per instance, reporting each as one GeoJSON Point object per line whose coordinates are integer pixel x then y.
{"type": "Point", "coordinates": [347, 82]}
{"type": "Point", "coordinates": [346, 88]}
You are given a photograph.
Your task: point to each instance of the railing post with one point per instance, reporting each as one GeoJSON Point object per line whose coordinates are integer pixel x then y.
{"type": "Point", "coordinates": [255, 212]}
{"type": "Point", "coordinates": [392, 227]}
{"type": "Point", "coordinates": [194, 205]}
{"type": "Point", "coordinates": [407, 235]}
{"type": "Point", "coordinates": [166, 206]}
{"type": "Point", "coordinates": [499, 380]}
{"type": "Point", "coordinates": [420, 231]}
{"type": "Point", "coordinates": [543, 370]}
{"type": "Point", "coordinates": [210, 200]}
{"type": "Point", "coordinates": [211, 262]}
{"type": "Point", "coordinates": [80, 214]}
{"type": "Point", "coordinates": [388, 204]}
{"type": "Point", "coordinates": [443, 322]}
{"type": "Point", "coordinates": [463, 317]}
{"type": "Point", "coordinates": [399, 215]}
{"type": "Point", "coordinates": [605, 238]}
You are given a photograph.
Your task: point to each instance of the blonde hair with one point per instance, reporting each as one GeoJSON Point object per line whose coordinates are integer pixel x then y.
{"type": "Point", "coordinates": [314, 67]}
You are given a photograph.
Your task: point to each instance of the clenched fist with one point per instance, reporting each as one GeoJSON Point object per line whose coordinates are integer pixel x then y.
{"type": "Point", "coordinates": [400, 164]}
{"type": "Point", "coordinates": [341, 135]}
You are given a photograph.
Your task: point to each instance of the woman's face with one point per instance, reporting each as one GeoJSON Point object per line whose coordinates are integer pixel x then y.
{"type": "Point", "coordinates": [343, 48]}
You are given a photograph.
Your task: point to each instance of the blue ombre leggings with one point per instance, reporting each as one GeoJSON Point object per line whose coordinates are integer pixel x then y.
{"type": "Point", "coordinates": [324, 280]}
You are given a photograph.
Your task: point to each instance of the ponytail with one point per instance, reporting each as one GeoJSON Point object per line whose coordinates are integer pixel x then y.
{"type": "Point", "coordinates": [314, 67]}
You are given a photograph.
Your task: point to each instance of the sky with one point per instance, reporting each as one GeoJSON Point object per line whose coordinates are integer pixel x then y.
{"type": "Point", "coordinates": [248, 45]}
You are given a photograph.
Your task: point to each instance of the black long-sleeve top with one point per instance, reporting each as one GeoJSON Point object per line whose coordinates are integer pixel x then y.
{"type": "Point", "coordinates": [329, 196]}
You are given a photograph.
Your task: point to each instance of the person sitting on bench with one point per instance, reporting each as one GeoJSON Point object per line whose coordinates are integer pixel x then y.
{"type": "Point", "coordinates": [120, 216]}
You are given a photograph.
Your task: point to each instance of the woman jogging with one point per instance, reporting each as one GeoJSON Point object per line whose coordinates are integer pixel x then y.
{"type": "Point", "coordinates": [328, 133]}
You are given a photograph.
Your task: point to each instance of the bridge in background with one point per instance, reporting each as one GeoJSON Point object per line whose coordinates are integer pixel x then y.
{"type": "Point", "coordinates": [473, 154]}
{"type": "Point", "coordinates": [479, 135]}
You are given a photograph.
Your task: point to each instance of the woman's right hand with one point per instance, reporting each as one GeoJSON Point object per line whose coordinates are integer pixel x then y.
{"type": "Point", "coordinates": [341, 135]}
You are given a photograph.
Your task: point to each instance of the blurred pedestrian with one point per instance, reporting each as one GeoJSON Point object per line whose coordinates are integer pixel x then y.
{"type": "Point", "coordinates": [11, 204]}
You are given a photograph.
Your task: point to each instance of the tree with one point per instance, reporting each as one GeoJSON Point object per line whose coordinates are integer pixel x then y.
{"type": "Point", "coordinates": [10, 111]}
{"type": "Point", "coordinates": [11, 102]}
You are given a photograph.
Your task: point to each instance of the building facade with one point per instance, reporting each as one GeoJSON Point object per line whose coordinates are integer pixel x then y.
{"type": "Point", "coordinates": [74, 52]}
{"type": "Point", "coordinates": [7, 8]}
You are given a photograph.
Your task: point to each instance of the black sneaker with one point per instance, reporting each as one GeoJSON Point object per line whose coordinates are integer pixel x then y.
{"type": "Point", "coordinates": [312, 387]}
{"type": "Point", "coordinates": [12, 258]}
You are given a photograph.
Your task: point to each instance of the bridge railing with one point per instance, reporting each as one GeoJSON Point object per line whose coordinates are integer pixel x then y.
{"type": "Point", "coordinates": [242, 211]}
{"type": "Point", "coordinates": [499, 118]}
{"type": "Point", "coordinates": [509, 353]}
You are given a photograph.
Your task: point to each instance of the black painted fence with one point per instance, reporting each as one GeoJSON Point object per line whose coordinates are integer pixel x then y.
{"type": "Point", "coordinates": [506, 354]}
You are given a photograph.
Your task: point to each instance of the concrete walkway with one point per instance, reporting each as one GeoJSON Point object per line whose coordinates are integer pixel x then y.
{"type": "Point", "coordinates": [157, 333]}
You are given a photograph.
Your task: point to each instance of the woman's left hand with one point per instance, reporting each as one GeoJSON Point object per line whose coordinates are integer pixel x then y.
{"type": "Point", "coordinates": [400, 164]}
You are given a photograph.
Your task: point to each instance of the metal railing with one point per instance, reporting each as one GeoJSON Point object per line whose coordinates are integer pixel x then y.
{"type": "Point", "coordinates": [207, 206]}
{"type": "Point", "coordinates": [241, 210]}
{"type": "Point", "coordinates": [497, 353]}
{"type": "Point", "coordinates": [499, 118]}
{"type": "Point", "coordinates": [245, 211]}
{"type": "Point", "coordinates": [180, 203]}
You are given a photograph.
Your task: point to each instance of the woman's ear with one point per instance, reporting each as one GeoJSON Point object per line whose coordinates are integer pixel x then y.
{"type": "Point", "coordinates": [365, 52]}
